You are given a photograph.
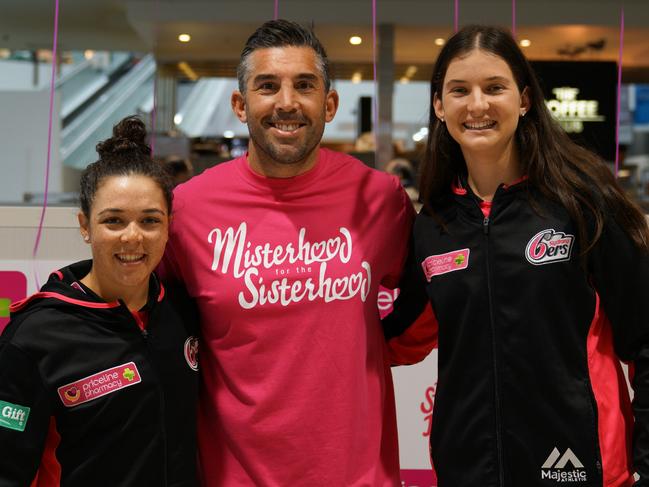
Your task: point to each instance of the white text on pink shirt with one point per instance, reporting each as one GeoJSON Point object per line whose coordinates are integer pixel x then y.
{"type": "Point", "coordinates": [233, 252]}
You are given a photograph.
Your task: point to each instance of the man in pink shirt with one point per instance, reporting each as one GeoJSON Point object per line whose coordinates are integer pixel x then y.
{"type": "Point", "coordinates": [284, 250]}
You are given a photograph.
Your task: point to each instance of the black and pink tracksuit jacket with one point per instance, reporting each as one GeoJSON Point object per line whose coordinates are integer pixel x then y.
{"type": "Point", "coordinates": [90, 399]}
{"type": "Point", "coordinates": [530, 389]}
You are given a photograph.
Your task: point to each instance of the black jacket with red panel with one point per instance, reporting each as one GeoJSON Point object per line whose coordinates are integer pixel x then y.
{"type": "Point", "coordinates": [117, 403]}
{"type": "Point", "coordinates": [530, 389]}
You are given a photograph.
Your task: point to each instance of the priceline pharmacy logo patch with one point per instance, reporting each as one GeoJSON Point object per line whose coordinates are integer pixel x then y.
{"type": "Point", "coordinates": [13, 287]}
{"type": "Point", "coordinates": [563, 468]}
{"type": "Point", "coordinates": [99, 384]}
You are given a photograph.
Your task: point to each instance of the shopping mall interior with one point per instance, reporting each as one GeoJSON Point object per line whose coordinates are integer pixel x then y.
{"type": "Point", "coordinates": [173, 63]}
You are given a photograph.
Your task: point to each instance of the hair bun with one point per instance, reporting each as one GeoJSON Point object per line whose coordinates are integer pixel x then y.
{"type": "Point", "coordinates": [128, 135]}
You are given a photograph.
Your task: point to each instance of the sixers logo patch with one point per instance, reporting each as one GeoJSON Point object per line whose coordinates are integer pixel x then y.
{"type": "Point", "coordinates": [191, 352]}
{"type": "Point", "coordinates": [549, 246]}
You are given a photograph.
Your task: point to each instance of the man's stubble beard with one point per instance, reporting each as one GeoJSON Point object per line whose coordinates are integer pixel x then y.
{"type": "Point", "coordinates": [294, 155]}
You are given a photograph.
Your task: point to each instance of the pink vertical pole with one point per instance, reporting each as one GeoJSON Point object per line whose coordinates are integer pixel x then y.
{"type": "Point", "coordinates": [154, 111]}
{"type": "Point", "coordinates": [376, 90]}
{"type": "Point", "coordinates": [48, 163]}
{"type": "Point", "coordinates": [619, 93]}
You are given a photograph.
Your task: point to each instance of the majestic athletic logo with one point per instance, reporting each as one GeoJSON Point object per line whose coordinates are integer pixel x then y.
{"type": "Point", "coordinates": [435, 265]}
{"type": "Point", "coordinates": [13, 416]}
{"type": "Point", "coordinates": [99, 384]}
{"type": "Point", "coordinates": [549, 246]}
{"type": "Point", "coordinates": [556, 467]}
{"type": "Point", "coordinates": [191, 352]}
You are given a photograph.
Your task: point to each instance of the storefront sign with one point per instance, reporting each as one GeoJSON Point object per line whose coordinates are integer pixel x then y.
{"type": "Point", "coordinates": [582, 97]}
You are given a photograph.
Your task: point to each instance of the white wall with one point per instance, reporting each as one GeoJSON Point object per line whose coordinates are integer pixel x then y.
{"type": "Point", "coordinates": [24, 119]}
{"type": "Point", "coordinates": [19, 75]}
{"type": "Point", "coordinates": [60, 245]}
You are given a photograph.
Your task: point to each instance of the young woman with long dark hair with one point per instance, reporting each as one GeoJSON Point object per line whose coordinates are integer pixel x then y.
{"type": "Point", "coordinates": [536, 267]}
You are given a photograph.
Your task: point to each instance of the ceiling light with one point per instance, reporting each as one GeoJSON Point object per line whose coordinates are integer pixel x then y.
{"type": "Point", "coordinates": [357, 77]}
{"type": "Point", "coordinates": [420, 135]}
{"type": "Point", "coordinates": [439, 41]}
{"type": "Point", "coordinates": [184, 38]}
{"type": "Point", "coordinates": [410, 72]}
{"type": "Point", "coordinates": [404, 80]}
{"type": "Point", "coordinates": [88, 54]}
{"type": "Point", "coordinates": [228, 134]}
{"type": "Point", "coordinates": [526, 43]}
{"type": "Point", "coordinates": [187, 70]}
{"type": "Point", "coordinates": [355, 40]}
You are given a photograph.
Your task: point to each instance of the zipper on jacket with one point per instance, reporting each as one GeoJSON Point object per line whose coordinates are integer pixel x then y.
{"type": "Point", "coordinates": [499, 445]}
{"type": "Point", "coordinates": [163, 418]}
{"type": "Point", "coordinates": [144, 333]}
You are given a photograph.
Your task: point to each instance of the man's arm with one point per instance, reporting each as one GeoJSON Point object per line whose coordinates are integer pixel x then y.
{"type": "Point", "coordinates": [416, 341]}
{"type": "Point", "coordinates": [411, 328]}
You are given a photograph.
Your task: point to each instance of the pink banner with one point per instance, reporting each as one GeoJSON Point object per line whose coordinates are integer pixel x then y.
{"type": "Point", "coordinates": [13, 287]}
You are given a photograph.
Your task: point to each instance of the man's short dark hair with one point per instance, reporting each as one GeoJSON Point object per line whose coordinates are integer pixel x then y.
{"type": "Point", "coordinates": [282, 33]}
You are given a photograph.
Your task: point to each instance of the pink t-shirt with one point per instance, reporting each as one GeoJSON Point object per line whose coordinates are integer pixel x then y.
{"type": "Point", "coordinates": [296, 389]}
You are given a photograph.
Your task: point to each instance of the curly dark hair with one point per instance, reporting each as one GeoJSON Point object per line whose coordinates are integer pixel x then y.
{"type": "Point", "coordinates": [123, 154]}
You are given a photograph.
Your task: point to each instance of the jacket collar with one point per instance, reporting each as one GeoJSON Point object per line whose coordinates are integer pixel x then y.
{"type": "Point", "coordinates": [466, 199]}
{"type": "Point", "coordinates": [59, 288]}
{"type": "Point", "coordinates": [460, 185]}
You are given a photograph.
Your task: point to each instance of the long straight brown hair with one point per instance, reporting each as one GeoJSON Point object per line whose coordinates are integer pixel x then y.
{"type": "Point", "coordinates": [559, 168]}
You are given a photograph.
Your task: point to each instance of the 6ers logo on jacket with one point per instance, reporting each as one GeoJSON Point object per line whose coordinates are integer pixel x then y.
{"type": "Point", "coordinates": [549, 246]}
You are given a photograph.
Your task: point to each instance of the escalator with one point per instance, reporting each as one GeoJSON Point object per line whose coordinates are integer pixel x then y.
{"type": "Point", "coordinates": [87, 79]}
{"type": "Point", "coordinates": [206, 111]}
{"type": "Point", "coordinates": [89, 116]}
